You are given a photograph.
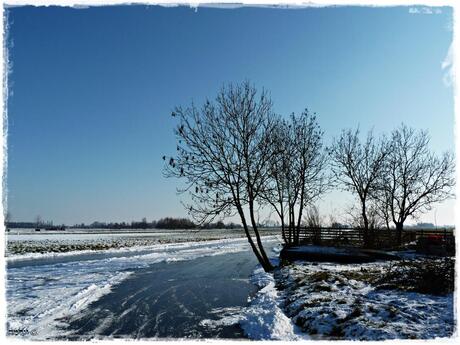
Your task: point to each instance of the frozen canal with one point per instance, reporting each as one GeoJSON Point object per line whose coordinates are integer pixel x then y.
{"type": "Point", "coordinates": [194, 289]}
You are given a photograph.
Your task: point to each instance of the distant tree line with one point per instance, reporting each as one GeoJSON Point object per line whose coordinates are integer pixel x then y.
{"type": "Point", "coordinates": [163, 223]}
{"type": "Point", "coordinates": [236, 156]}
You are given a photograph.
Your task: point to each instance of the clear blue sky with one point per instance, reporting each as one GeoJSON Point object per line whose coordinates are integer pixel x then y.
{"type": "Point", "coordinates": [91, 92]}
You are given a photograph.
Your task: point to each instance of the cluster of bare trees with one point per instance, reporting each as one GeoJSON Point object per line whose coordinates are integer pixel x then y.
{"type": "Point", "coordinates": [297, 171]}
{"type": "Point", "coordinates": [394, 177]}
{"type": "Point", "coordinates": [236, 155]}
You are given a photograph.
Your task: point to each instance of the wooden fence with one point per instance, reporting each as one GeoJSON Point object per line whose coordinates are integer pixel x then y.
{"type": "Point", "coordinates": [380, 238]}
{"type": "Point", "coordinates": [445, 237]}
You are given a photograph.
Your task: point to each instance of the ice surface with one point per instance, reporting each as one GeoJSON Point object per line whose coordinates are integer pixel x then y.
{"type": "Point", "coordinates": [41, 297]}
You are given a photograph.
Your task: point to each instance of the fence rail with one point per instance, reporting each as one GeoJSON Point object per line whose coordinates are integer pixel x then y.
{"type": "Point", "coordinates": [380, 238]}
{"type": "Point", "coordinates": [445, 236]}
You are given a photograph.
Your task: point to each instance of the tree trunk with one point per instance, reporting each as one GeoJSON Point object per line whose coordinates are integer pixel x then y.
{"type": "Point", "coordinates": [387, 223]}
{"type": "Point", "coordinates": [283, 227]}
{"type": "Point", "coordinates": [266, 265]}
{"type": "Point", "coordinates": [399, 229]}
{"type": "Point", "coordinates": [251, 242]}
{"type": "Point", "coordinates": [283, 231]}
{"type": "Point", "coordinates": [366, 224]}
{"type": "Point", "coordinates": [299, 217]}
{"type": "Point", "coordinates": [290, 225]}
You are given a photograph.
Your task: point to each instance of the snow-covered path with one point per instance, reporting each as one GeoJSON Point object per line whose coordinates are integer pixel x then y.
{"type": "Point", "coordinates": [156, 291]}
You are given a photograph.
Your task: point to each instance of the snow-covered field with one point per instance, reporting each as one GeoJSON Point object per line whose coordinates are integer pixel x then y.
{"type": "Point", "coordinates": [23, 243]}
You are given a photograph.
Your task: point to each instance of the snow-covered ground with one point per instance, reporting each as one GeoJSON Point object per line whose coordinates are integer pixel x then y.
{"type": "Point", "coordinates": [300, 301]}
{"type": "Point", "coordinates": [330, 301]}
{"type": "Point", "coordinates": [21, 242]}
{"type": "Point", "coordinates": [308, 300]}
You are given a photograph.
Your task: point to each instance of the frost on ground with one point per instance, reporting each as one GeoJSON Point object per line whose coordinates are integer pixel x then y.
{"type": "Point", "coordinates": [333, 301]}
{"type": "Point", "coordinates": [39, 295]}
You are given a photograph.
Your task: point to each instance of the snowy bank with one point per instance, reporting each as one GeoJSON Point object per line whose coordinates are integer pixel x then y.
{"type": "Point", "coordinates": [264, 319]}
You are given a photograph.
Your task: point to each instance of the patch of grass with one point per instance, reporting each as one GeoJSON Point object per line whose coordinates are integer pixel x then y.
{"type": "Point", "coordinates": [367, 276]}
{"type": "Point", "coordinates": [355, 313]}
{"type": "Point", "coordinates": [392, 311]}
{"type": "Point", "coordinates": [321, 288]}
{"type": "Point", "coordinates": [429, 275]}
{"type": "Point", "coordinates": [320, 276]}
{"type": "Point", "coordinates": [337, 331]}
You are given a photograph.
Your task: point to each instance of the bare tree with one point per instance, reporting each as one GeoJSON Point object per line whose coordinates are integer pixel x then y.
{"type": "Point", "coordinates": [414, 178]}
{"type": "Point", "coordinates": [7, 217]}
{"type": "Point", "coordinates": [7, 220]}
{"type": "Point", "coordinates": [38, 220]}
{"type": "Point", "coordinates": [312, 217]}
{"type": "Point", "coordinates": [375, 218]}
{"type": "Point", "coordinates": [311, 160]}
{"type": "Point", "coordinates": [223, 153]}
{"type": "Point", "coordinates": [381, 210]}
{"type": "Point", "coordinates": [357, 167]}
{"type": "Point", "coordinates": [297, 170]}
{"type": "Point", "coordinates": [279, 192]}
